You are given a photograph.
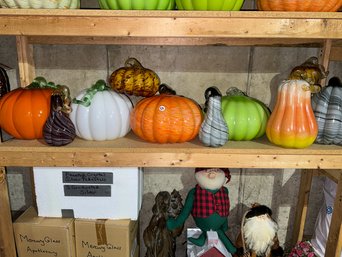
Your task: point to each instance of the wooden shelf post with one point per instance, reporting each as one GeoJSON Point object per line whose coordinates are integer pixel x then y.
{"type": "Point", "coordinates": [325, 57]}
{"type": "Point", "coordinates": [25, 61]}
{"type": "Point", "coordinates": [302, 205]}
{"type": "Point", "coordinates": [7, 242]}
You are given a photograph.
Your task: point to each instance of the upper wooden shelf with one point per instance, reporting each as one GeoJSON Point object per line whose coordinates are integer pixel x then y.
{"type": "Point", "coordinates": [172, 27]}
{"type": "Point", "coordinates": [131, 151]}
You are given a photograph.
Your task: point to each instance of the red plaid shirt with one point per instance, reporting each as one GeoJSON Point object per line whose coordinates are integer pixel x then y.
{"type": "Point", "coordinates": [207, 203]}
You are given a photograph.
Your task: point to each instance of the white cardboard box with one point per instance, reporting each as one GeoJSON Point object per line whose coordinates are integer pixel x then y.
{"type": "Point", "coordinates": [89, 193]}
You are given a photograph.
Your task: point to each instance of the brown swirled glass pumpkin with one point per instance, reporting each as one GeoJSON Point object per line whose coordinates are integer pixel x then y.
{"type": "Point", "coordinates": [134, 79]}
{"type": "Point", "coordinates": [58, 129]}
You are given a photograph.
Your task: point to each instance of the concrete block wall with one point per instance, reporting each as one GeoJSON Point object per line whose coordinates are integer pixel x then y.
{"type": "Point", "coordinates": [256, 70]}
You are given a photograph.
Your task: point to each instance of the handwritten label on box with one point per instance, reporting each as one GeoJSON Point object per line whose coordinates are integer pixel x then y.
{"type": "Point", "coordinates": [88, 190]}
{"type": "Point", "coordinates": [75, 177]}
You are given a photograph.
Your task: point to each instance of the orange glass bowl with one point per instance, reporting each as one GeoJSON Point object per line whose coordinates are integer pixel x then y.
{"type": "Point", "coordinates": [300, 5]}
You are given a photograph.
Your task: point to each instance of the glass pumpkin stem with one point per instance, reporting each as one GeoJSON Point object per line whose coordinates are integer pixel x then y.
{"type": "Point", "coordinates": [310, 71]}
{"type": "Point", "coordinates": [335, 82]}
{"type": "Point", "coordinates": [99, 86]}
{"type": "Point", "coordinates": [56, 103]}
{"type": "Point", "coordinates": [41, 82]}
{"type": "Point", "coordinates": [166, 90]}
{"type": "Point", "coordinates": [132, 62]}
{"type": "Point", "coordinates": [234, 91]}
{"type": "Point", "coordinates": [63, 91]}
{"type": "Point", "coordinates": [312, 62]}
{"type": "Point", "coordinates": [210, 92]}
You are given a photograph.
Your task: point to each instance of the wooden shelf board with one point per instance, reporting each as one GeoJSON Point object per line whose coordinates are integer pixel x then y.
{"type": "Point", "coordinates": [172, 13]}
{"type": "Point", "coordinates": [131, 151]}
{"type": "Point", "coordinates": [175, 41]}
{"type": "Point", "coordinates": [170, 24]}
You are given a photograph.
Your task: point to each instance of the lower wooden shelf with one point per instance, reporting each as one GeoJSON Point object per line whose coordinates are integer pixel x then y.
{"type": "Point", "coordinates": [334, 242]}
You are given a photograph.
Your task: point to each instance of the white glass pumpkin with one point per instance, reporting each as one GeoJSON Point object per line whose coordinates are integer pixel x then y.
{"type": "Point", "coordinates": [101, 114]}
{"type": "Point", "coordinates": [41, 4]}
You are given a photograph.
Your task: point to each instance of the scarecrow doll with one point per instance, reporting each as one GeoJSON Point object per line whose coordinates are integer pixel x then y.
{"type": "Point", "coordinates": [208, 203]}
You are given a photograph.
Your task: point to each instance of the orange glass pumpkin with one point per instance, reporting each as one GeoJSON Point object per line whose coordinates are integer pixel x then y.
{"type": "Point", "coordinates": [292, 123]}
{"type": "Point", "coordinates": [166, 119]}
{"type": "Point", "coordinates": [23, 112]}
{"type": "Point", "coordinates": [300, 5]}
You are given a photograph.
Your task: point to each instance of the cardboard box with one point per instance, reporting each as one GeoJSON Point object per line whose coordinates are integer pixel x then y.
{"type": "Point", "coordinates": [89, 193]}
{"type": "Point", "coordinates": [44, 237]}
{"type": "Point", "coordinates": [106, 238]}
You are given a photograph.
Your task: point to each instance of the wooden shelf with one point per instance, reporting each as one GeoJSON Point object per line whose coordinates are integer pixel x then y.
{"type": "Point", "coordinates": [173, 28]}
{"type": "Point", "coordinates": [131, 151]}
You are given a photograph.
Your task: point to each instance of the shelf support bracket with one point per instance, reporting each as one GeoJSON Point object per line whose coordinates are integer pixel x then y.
{"type": "Point", "coordinates": [7, 242]}
{"type": "Point", "coordinates": [25, 61]}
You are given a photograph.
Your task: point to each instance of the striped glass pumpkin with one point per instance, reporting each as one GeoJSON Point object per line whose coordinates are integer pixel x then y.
{"type": "Point", "coordinates": [327, 107]}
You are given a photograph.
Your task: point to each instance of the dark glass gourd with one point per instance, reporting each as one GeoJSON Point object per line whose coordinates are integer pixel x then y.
{"type": "Point", "coordinates": [4, 82]}
{"type": "Point", "coordinates": [58, 129]}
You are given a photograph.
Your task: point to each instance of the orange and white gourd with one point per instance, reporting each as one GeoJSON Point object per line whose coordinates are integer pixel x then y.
{"type": "Point", "coordinates": [292, 123]}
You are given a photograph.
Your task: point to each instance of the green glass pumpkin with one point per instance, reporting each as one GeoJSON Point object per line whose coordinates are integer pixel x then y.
{"type": "Point", "coordinates": [210, 5]}
{"type": "Point", "coordinates": [245, 116]}
{"type": "Point", "coordinates": [137, 4]}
